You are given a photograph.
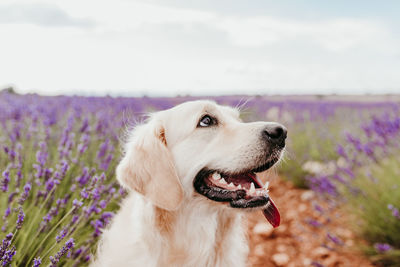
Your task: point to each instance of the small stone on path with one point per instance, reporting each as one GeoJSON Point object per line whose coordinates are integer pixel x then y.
{"type": "Point", "coordinates": [280, 259]}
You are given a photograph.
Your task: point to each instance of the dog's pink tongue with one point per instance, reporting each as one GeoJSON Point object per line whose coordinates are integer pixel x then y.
{"type": "Point", "coordinates": [272, 214]}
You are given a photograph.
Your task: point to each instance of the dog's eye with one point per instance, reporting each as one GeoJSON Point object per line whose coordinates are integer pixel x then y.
{"type": "Point", "coordinates": [206, 121]}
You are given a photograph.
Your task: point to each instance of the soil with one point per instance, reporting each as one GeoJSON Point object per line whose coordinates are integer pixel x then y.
{"type": "Point", "coordinates": [300, 240]}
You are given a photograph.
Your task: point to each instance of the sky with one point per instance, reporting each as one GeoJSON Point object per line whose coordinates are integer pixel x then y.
{"type": "Point", "coordinates": [200, 47]}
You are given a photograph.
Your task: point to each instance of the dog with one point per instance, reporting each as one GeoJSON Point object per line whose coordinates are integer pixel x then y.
{"type": "Point", "coordinates": [192, 171]}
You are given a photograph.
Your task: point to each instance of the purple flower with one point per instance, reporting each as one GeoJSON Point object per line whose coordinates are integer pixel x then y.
{"type": "Point", "coordinates": [317, 264]}
{"type": "Point", "coordinates": [106, 162]}
{"type": "Point", "coordinates": [27, 187]}
{"type": "Point", "coordinates": [314, 223]}
{"type": "Point", "coordinates": [103, 149]}
{"type": "Point", "coordinates": [85, 125]}
{"type": "Point", "coordinates": [7, 212]}
{"type": "Point", "coordinates": [84, 193]}
{"type": "Point", "coordinates": [5, 244]}
{"type": "Point", "coordinates": [94, 209]}
{"type": "Point", "coordinates": [395, 211]}
{"type": "Point", "coordinates": [103, 204]}
{"type": "Point", "coordinates": [63, 168]}
{"type": "Point", "coordinates": [340, 150]}
{"type": "Point", "coordinates": [322, 185]}
{"type": "Point", "coordinates": [49, 216]}
{"type": "Point", "coordinates": [25, 194]}
{"type": "Point", "coordinates": [334, 239]}
{"type": "Point", "coordinates": [74, 219]}
{"type": "Point", "coordinates": [96, 193]}
{"type": "Point", "coordinates": [382, 247]}
{"type": "Point", "coordinates": [37, 261]}
{"type": "Point", "coordinates": [56, 258]}
{"type": "Point", "coordinates": [5, 181]}
{"type": "Point", "coordinates": [19, 176]}
{"type": "Point", "coordinates": [77, 253]}
{"type": "Point", "coordinates": [61, 235]}
{"type": "Point", "coordinates": [83, 146]}
{"type": "Point", "coordinates": [8, 255]}
{"type": "Point", "coordinates": [20, 219]}
{"type": "Point", "coordinates": [98, 225]}
{"type": "Point", "coordinates": [77, 203]}
{"type": "Point", "coordinates": [87, 258]}
{"type": "Point", "coordinates": [107, 216]}
{"type": "Point", "coordinates": [49, 185]}
{"type": "Point", "coordinates": [41, 155]}
{"type": "Point", "coordinates": [11, 196]}
{"type": "Point", "coordinates": [84, 178]}
{"type": "Point", "coordinates": [72, 188]}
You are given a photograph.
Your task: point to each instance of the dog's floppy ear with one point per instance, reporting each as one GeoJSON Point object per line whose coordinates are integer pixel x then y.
{"type": "Point", "coordinates": [148, 167]}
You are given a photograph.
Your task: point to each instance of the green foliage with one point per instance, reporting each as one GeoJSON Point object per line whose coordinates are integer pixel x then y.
{"type": "Point", "coordinates": [377, 188]}
{"type": "Point", "coordinates": [308, 142]}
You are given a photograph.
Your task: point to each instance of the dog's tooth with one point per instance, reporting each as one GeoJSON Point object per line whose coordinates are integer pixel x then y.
{"type": "Point", "coordinates": [231, 185]}
{"type": "Point", "coordinates": [222, 181]}
{"type": "Point", "coordinates": [266, 185]}
{"type": "Point", "coordinates": [216, 176]}
{"type": "Point", "coordinates": [252, 188]}
{"type": "Point", "coordinates": [239, 186]}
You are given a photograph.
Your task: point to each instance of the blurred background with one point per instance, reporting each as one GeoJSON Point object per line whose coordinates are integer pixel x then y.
{"type": "Point", "coordinates": [169, 47]}
{"type": "Point", "coordinates": [76, 75]}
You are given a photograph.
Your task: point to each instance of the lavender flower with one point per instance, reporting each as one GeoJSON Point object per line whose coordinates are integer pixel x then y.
{"type": "Point", "coordinates": [103, 149]}
{"type": "Point", "coordinates": [5, 181]}
{"type": "Point", "coordinates": [106, 162]}
{"type": "Point", "coordinates": [314, 223]}
{"type": "Point", "coordinates": [77, 253]}
{"type": "Point", "coordinates": [41, 155]}
{"type": "Point", "coordinates": [74, 219]}
{"type": "Point", "coordinates": [56, 258]}
{"type": "Point", "coordinates": [317, 264]}
{"type": "Point", "coordinates": [340, 150]}
{"type": "Point", "coordinates": [8, 255]}
{"type": "Point", "coordinates": [84, 193]}
{"type": "Point", "coordinates": [335, 239]}
{"type": "Point", "coordinates": [84, 178]}
{"type": "Point", "coordinates": [11, 196]}
{"type": "Point", "coordinates": [7, 212]}
{"type": "Point", "coordinates": [49, 216]}
{"type": "Point", "coordinates": [382, 247]}
{"type": "Point", "coordinates": [395, 211]}
{"type": "Point", "coordinates": [25, 193]}
{"type": "Point", "coordinates": [107, 216]}
{"type": "Point", "coordinates": [20, 219]}
{"type": "Point", "coordinates": [5, 244]}
{"type": "Point", "coordinates": [77, 203]}
{"type": "Point", "coordinates": [37, 261]}
{"type": "Point", "coordinates": [61, 235]}
{"type": "Point", "coordinates": [85, 125]}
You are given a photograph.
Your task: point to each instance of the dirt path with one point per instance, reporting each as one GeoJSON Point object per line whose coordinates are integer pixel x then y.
{"type": "Point", "coordinates": [299, 240]}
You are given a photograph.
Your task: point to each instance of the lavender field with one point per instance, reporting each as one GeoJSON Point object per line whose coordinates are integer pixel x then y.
{"type": "Point", "coordinates": [58, 156]}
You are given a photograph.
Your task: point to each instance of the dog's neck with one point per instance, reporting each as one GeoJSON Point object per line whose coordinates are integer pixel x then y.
{"type": "Point", "coordinates": [210, 228]}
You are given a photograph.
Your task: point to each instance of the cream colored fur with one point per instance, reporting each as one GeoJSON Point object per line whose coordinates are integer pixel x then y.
{"type": "Point", "coordinates": [163, 221]}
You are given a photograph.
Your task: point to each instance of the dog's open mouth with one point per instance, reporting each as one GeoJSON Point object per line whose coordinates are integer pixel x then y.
{"type": "Point", "coordinates": [240, 190]}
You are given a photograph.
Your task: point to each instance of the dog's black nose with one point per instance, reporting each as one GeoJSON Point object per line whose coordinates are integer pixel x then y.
{"type": "Point", "coordinates": [276, 133]}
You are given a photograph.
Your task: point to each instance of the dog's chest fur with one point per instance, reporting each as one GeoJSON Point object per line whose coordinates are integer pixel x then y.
{"type": "Point", "coordinates": [195, 235]}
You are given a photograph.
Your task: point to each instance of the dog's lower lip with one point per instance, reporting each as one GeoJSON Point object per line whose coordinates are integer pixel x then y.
{"type": "Point", "coordinates": [265, 166]}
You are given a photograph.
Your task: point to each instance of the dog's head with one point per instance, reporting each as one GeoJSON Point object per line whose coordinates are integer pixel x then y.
{"type": "Point", "coordinates": [202, 150]}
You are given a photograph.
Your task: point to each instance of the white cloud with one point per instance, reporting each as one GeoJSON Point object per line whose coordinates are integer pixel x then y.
{"type": "Point", "coordinates": [333, 34]}
{"type": "Point", "coordinates": [41, 14]}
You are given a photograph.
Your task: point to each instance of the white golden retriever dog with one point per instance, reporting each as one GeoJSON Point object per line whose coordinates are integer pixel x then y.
{"type": "Point", "coordinates": [191, 171]}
